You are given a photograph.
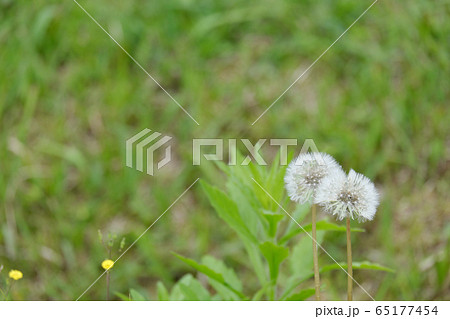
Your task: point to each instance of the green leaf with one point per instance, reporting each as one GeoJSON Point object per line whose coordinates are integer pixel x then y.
{"type": "Point", "coordinates": [272, 219]}
{"type": "Point", "coordinates": [320, 225]}
{"type": "Point", "coordinates": [301, 258]}
{"type": "Point", "coordinates": [301, 263]}
{"type": "Point", "coordinates": [327, 226]}
{"type": "Point", "coordinates": [136, 296]}
{"type": "Point", "coordinates": [294, 282]}
{"type": "Point", "coordinates": [188, 289]}
{"type": "Point", "coordinates": [163, 294]}
{"type": "Point", "coordinates": [202, 268]}
{"type": "Point", "coordinates": [298, 215]}
{"type": "Point", "coordinates": [274, 255]}
{"type": "Point", "coordinates": [228, 211]}
{"type": "Point", "coordinates": [442, 271]}
{"type": "Point", "coordinates": [229, 276]}
{"type": "Point", "coordinates": [247, 203]}
{"type": "Point", "coordinates": [256, 261]}
{"type": "Point", "coordinates": [307, 272]}
{"type": "Point", "coordinates": [302, 295]}
{"type": "Point", "coordinates": [193, 290]}
{"type": "Point", "coordinates": [177, 294]}
{"type": "Point", "coordinates": [210, 273]}
{"type": "Point", "coordinates": [357, 265]}
{"type": "Point", "coordinates": [275, 181]}
{"type": "Point", "coordinates": [122, 296]}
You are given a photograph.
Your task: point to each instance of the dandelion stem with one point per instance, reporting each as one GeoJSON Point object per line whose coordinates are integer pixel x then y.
{"type": "Point", "coordinates": [107, 285]}
{"type": "Point", "coordinates": [315, 257]}
{"type": "Point", "coordinates": [349, 263]}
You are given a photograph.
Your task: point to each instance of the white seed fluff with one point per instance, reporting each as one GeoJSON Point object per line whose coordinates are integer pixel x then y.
{"type": "Point", "coordinates": [352, 195]}
{"type": "Point", "coordinates": [304, 174]}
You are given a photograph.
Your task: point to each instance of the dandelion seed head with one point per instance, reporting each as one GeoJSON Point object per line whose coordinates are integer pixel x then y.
{"type": "Point", "coordinates": [107, 264]}
{"type": "Point", "coordinates": [352, 195]}
{"type": "Point", "coordinates": [305, 173]}
{"type": "Point", "coordinates": [15, 274]}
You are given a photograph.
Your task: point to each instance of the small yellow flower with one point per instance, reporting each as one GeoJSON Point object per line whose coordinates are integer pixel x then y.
{"type": "Point", "coordinates": [15, 274]}
{"type": "Point", "coordinates": [107, 264]}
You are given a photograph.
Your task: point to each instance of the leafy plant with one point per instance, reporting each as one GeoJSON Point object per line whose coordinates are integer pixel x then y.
{"type": "Point", "coordinates": [270, 238]}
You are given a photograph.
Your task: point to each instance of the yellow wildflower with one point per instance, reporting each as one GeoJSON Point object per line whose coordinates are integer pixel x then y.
{"type": "Point", "coordinates": [15, 274]}
{"type": "Point", "coordinates": [107, 264]}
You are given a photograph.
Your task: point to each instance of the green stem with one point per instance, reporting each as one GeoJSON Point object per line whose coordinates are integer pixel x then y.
{"type": "Point", "coordinates": [349, 263]}
{"type": "Point", "coordinates": [8, 290]}
{"type": "Point", "coordinates": [315, 256]}
{"type": "Point", "coordinates": [272, 292]}
{"type": "Point", "coordinates": [107, 285]}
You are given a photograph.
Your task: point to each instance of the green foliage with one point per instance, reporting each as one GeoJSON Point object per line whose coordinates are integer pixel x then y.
{"type": "Point", "coordinates": [302, 295]}
{"type": "Point", "coordinates": [268, 237]}
{"type": "Point", "coordinates": [320, 225]}
{"type": "Point", "coordinates": [189, 288]}
{"type": "Point", "coordinates": [228, 211]}
{"type": "Point", "coordinates": [163, 294]}
{"type": "Point", "coordinates": [216, 276]}
{"type": "Point", "coordinates": [274, 255]}
{"type": "Point", "coordinates": [358, 265]}
{"type": "Point", "coordinates": [272, 220]}
{"type": "Point", "coordinates": [136, 296]}
{"type": "Point", "coordinates": [133, 295]}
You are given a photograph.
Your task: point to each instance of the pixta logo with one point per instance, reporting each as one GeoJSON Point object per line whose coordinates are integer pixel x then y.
{"type": "Point", "coordinates": [144, 145]}
{"type": "Point", "coordinates": [141, 148]}
{"type": "Point", "coordinates": [253, 151]}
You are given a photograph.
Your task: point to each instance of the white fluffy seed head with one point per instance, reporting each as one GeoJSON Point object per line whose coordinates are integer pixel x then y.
{"type": "Point", "coordinates": [305, 173]}
{"type": "Point", "coordinates": [352, 195]}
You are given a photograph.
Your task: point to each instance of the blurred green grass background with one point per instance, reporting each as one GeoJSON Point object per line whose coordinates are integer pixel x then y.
{"type": "Point", "coordinates": [69, 98]}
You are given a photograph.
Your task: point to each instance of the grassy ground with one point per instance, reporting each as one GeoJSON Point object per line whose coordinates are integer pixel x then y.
{"type": "Point", "coordinates": [69, 97]}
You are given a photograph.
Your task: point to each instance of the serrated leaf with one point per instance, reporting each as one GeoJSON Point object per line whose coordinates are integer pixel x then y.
{"type": "Point", "coordinates": [247, 203]}
{"type": "Point", "coordinates": [228, 273]}
{"type": "Point", "coordinates": [210, 273]}
{"type": "Point", "coordinates": [228, 211]}
{"type": "Point", "coordinates": [193, 290]}
{"type": "Point", "coordinates": [274, 255]}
